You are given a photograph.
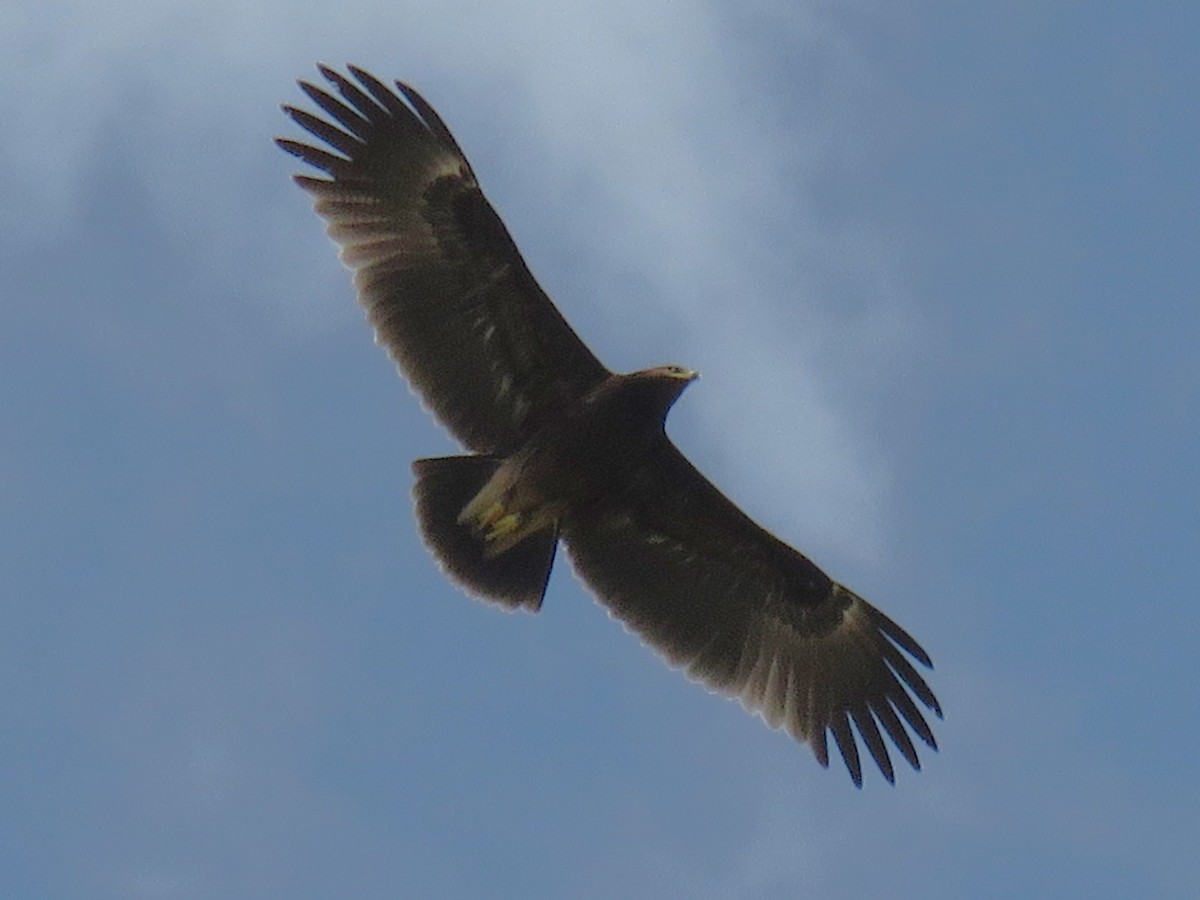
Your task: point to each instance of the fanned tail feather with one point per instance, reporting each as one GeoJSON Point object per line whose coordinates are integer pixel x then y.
{"type": "Point", "coordinates": [515, 578]}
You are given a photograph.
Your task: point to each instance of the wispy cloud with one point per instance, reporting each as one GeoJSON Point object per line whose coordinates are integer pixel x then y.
{"type": "Point", "coordinates": [626, 135]}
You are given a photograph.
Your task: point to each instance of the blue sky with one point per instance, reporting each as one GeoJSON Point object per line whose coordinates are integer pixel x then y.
{"type": "Point", "coordinates": [939, 268]}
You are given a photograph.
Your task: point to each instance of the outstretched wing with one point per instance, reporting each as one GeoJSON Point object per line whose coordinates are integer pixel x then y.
{"type": "Point", "coordinates": [441, 280]}
{"type": "Point", "coordinates": [749, 616]}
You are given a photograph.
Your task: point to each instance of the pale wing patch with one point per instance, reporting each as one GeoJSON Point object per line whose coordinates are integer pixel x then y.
{"type": "Point", "coordinates": [368, 228]}
{"type": "Point", "coordinates": [809, 684]}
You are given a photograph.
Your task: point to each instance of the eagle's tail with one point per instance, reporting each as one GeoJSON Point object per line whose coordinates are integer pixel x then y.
{"type": "Point", "coordinates": [515, 577]}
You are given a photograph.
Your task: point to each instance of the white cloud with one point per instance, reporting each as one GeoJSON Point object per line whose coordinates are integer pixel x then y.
{"type": "Point", "coordinates": [632, 132]}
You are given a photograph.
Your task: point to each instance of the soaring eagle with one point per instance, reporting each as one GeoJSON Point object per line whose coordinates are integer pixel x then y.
{"type": "Point", "coordinates": [562, 449]}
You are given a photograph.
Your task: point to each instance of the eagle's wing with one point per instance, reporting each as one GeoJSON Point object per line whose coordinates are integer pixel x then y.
{"type": "Point", "coordinates": [440, 278]}
{"type": "Point", "coordinates": [747, 615]}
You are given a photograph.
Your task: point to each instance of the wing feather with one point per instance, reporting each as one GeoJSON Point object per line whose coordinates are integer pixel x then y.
{"type": "Point", "coordinates": [440, 278]}
{"type": "Point", "coordinates": [749, 616]}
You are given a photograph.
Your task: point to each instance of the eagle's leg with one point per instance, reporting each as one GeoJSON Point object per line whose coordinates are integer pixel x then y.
{"type": "Point", "coordinates": [494, 554]}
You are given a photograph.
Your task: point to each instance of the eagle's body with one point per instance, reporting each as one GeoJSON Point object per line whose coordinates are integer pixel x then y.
{"type": "Point", "coordinates": [564, 450]}
{"type": "Point", "coordinates": [577, 460]}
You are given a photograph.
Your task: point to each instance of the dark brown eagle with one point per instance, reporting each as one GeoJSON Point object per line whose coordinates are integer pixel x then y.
{"type": "Point", "coordinates": [563, 449]}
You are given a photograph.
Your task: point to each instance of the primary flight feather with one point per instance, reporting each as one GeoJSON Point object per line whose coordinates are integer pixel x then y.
{"type": "Point", "coordinates": [562, 449]}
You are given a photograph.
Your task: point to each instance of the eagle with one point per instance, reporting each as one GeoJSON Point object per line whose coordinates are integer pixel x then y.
{"type": "Point", "coordinates": [562, 450]}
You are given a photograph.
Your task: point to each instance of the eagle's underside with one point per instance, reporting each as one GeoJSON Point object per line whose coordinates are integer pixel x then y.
{"type": "Point", "coordinates": [563, 449]}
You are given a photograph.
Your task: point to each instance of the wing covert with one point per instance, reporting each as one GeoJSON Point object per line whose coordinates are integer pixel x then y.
{"type": "Point", "coordinates": [440, 278]}
{"type": "Point", "coordinates": [749, 616]}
